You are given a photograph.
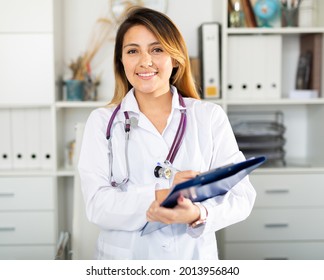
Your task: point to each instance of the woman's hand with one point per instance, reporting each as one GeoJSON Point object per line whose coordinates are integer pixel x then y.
{"type": "Point", "coordinates": [179, 177]}
{"type": "Point", "coordinates": [184, 213]}
{"type": "Point", "coordinates": [182, 176]}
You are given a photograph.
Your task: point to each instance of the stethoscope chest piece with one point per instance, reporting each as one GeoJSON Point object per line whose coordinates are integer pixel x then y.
{"type": "Point", "coordinates": [163, 172]}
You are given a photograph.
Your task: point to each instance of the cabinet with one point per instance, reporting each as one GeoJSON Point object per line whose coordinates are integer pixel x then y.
{"type": "Point", "coordinates": [286, 222]}
{"type": "Point", "coordinates": [30, 63]}
{"type": "Point", "coordinates": [27, 217]}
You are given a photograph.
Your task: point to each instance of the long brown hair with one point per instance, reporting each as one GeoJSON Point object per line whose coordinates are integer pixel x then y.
{"type": "Point", "coordinates": [169, 37]}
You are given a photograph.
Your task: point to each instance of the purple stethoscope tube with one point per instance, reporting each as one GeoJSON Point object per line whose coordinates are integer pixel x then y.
{"type": "Point", "coordinates": [177, 141]}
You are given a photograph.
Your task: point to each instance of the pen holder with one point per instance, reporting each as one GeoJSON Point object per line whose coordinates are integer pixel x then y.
{"type": "Point", "coordinates": [289, 17]}
{"type": "Point", "coordinates": [74, 90]}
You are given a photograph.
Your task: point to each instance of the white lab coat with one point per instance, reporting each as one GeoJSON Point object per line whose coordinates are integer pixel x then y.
{"type": "Point", "coordinates": [121, 212]}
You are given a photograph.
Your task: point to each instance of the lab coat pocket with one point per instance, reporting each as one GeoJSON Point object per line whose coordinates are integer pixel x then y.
{"type": "Point", "coordinates": [111, 252]}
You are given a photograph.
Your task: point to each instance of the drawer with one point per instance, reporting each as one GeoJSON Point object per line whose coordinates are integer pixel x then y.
{"type": "Point", "coordinates": [288, 190]}
{"type": "Point", "coordinates": [274, 251]}
{"type": "Point", "coordinates": [279, 224]}
{"type": "Point", "coordinates": [27, 193]}
{"type": "Point", "coordinates": [27, 228]}
{"type": "Point", "coordinates": [45, 252]}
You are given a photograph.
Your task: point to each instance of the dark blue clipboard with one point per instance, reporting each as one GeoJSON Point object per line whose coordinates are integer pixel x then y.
{"type": "Point", "coordinates": [206, 185]}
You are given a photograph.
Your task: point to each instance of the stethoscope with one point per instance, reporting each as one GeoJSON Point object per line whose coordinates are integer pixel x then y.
{"type": "Point", "coordinates": [161, 170]}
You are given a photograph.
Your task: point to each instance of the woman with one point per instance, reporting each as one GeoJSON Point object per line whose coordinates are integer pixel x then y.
{"type": "Point", "coordinates": [120, 180]}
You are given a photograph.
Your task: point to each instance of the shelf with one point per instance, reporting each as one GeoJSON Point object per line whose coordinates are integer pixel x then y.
{"type": "Point", "coordinates": [80, 104]}
{"type": "Point", "coordinates": [283, 101]}
{"type": "Point", "coordinates": [26, 173]}
{"type": "Point", "coordinates": [66, 172]}
{"type": "Point", "coordinates": [285, 30]}
{"type": "Point", "coordinates": [24, 106]}
{"type": "Point", "coordinates": [289, 170]}
{"type": "Point", "coordinates": [292, 168]}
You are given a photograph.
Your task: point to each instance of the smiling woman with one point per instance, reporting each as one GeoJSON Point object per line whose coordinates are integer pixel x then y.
{"type": "Point", "coordinates": [173, 131]}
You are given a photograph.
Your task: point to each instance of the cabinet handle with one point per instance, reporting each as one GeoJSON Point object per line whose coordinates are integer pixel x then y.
{"type": "Point", "coordinates": [276, 258]}
{"type": "Point", "coordinates": [7, 194]}
{"type": "Point", "coordinates": [276, 225]}
{"type": "Point", "coordinates": [7, 228]}
{"type": "Point", "coordinates": [277, 191]}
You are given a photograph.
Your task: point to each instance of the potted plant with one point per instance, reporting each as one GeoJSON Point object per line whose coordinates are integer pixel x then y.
{"type": "Point", "coordinates": [83, 83]}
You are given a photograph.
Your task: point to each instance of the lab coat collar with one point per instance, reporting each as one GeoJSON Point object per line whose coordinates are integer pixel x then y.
{"type": "Point", "coordinates": [129, 102]}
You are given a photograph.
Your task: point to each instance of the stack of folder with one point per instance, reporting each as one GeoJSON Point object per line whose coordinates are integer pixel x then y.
{"type": "Point", "coordinates": [26, 140]}
{"type": "Point", "coordinates": [261, 134]}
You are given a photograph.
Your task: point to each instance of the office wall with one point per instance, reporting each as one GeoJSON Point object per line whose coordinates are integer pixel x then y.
{"type": "Point", "coordinates": [79, 16]}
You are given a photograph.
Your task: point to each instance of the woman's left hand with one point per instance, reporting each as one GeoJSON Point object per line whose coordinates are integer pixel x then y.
{"type": "Point", "coordinates": [184, 213]}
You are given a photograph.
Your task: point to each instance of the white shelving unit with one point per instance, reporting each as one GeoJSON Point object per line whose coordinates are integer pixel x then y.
{"type": "Point", "coordinates": [286, 222]}
{"type": "Point", "coordinates": [30, 66]}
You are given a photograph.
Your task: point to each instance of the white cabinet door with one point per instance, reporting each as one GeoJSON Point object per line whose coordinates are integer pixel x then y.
{"type": "Point", "coordinates": [26, 69]}
{"type": "Point", "coordinates": [26, 16]}
{"type": "Point", "coordinates": [34, 227]}
{"type": "Point", "coordinates": [27, 193]}
{"type": "Point", "coordinates": [279, 224]}
{"type": "Point", "coordinates": [281, 190]}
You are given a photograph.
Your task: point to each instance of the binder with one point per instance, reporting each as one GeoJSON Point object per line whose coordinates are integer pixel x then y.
{"type": "Point", "coordinates": [5, 140]}
{"type": "Point", "coordinates": [46, 139]}
{"type": "Point", "coordinates": [233, 71]}
{"type": "Point", "coordinates": [210, 57]}
{"type": "Point", "coordinates": [18, 136]}
{"type": "Point", "coordinates": [206, 185]}
{"type": "Point", "coordinates": [272, 46]}
{"type": "Point", "coordinates": [32, 138]}
{"type": "Point", "coordinates": [252, 71]}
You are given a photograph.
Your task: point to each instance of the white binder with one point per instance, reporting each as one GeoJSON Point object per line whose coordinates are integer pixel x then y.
{"type": "Point", "coordinates": [210, 47]}
{"type": "Point", "coordinates": [33, 138]}
{"type": "Point", "coordinates": [18, 136]}
{"type": "Point", "coordinates": [273, 47]}
{"type": "Point", "coordinates": [233, 83]}
{"type": "Point", "coordinates": [46, 139]}
{"type": "Point", "coordinates": [5, 140]}
{"type": "Point", "coordinates": [252, 71]}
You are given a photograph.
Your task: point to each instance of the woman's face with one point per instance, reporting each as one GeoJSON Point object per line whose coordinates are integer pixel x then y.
{"type": "Point", "coordinates": [147, 65]}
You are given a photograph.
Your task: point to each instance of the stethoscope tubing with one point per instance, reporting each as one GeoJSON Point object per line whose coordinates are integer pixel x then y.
{"type": "Point", "coordinates": [173, 150]}
{"type": "Point", "coordinates": [178, 139]}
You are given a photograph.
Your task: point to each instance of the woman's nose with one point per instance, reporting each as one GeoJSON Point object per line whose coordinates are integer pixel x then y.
{"type": "Point", "coordinates": [146, 60]}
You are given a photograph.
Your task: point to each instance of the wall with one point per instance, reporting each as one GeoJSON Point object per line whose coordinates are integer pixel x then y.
{"type": "Point", "coordinates": [79, 17]}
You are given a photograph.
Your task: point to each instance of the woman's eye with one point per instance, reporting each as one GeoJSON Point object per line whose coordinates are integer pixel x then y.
{"type": "Point", "coordinates": [157, 50]}
{"type": "Point", "coordinates": [131, 51]}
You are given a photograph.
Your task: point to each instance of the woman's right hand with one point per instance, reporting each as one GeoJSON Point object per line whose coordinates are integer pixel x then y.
{"type": "Point", "coordinates": [182, 176]}
{"type": "Point", "coordinates": [179, 177]}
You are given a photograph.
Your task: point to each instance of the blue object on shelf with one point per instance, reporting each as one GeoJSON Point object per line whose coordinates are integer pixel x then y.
{"type": "Point", "coordinates": [74, 90]}
{"type": "Point", "coordinates": [266, 10]}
